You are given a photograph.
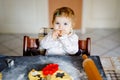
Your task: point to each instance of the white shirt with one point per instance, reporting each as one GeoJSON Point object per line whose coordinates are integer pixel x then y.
{"type": "Point", "coordinates": [67, 44]}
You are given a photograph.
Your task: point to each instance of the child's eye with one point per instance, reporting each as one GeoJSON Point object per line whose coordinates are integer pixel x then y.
{"type": "Point", "coordinates": [65, 23]}
{"type": "Point", "coordinates": [57, 23]}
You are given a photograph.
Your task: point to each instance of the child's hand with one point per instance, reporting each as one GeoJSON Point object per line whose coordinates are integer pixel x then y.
{"type": "Point", "coordinates": [55, 34]}
{"type": "Point", "coordinates": [62, 32]}
{"type": "Point", "coordinates": [58, 33]}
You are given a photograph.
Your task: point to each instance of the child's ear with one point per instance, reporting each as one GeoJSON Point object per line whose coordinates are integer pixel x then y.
{"type": "Point", "coordinates": [73, 24]}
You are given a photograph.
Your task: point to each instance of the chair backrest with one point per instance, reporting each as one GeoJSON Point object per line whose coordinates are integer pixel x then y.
{"type": "Point", "coordinates": [31, 46]}
{"type": "Point", "coordinates": [85, 46]}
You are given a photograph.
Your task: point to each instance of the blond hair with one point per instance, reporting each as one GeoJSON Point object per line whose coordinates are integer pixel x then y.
{"type": "Point", "coordinates": [63, 11]}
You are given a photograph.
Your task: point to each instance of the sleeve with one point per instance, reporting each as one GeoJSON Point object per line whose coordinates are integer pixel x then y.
{"type": "Point", "coordinates": [70, 43]}
{"type": "Point", "coordinates": [47, 42]}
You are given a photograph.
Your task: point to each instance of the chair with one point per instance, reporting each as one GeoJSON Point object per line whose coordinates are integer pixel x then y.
{"type": "Point", "coordinates": [31, 47]}
{"type": "Point", "coordinates": [85, 46]}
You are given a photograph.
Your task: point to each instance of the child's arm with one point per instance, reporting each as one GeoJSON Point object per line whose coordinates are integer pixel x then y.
{"type": "Point", "coordinates": [47, 42]}
{"type": "Point", "coordinates": [70, 43]}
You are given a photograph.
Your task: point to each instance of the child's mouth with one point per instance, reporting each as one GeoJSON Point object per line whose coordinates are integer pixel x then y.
{"type": "Point", "coordinates": [60, 33]}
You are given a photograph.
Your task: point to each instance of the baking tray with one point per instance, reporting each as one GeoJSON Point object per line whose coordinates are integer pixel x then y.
{"type": "Point", "coordinates": [18, 67]}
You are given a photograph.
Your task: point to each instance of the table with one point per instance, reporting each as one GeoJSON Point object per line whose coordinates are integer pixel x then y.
{"type": "Point", "coordinates": [111, 66]}
{"type": "Point", "coordinates": [19, 66]}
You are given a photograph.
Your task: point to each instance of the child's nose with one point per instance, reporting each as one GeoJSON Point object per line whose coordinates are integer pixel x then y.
{"type": "Point", "coordinates": [60, 27]}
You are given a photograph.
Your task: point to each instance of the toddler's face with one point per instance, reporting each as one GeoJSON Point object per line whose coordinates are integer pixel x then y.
{"type": "Point", "coordinates": [63, 23]}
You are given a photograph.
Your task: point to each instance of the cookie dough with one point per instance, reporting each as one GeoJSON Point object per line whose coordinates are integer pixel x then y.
{"type": "Point", "coordinates": [60, 75]}
{"type": "Point", "coordinates": [0, 76]}
{"type": "Point", "coordinates": [49, 72]}
{"type": "Point", "coordinates": [36, 75]}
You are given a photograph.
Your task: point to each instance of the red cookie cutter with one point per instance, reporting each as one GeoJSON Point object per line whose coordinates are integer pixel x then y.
{"type": "Point", "coordinates": [50, 69]}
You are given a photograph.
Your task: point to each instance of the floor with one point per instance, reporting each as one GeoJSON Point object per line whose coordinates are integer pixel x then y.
{"type": "Point", "coordinates": [105, 42]}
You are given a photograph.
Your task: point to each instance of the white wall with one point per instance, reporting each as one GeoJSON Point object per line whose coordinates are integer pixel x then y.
{"type": "Point", "coordinates": [21, 16]}
{"type": "Point", "coordinates": [101, 14]}
{"type": "Point", "coordinates": [28, 16]}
